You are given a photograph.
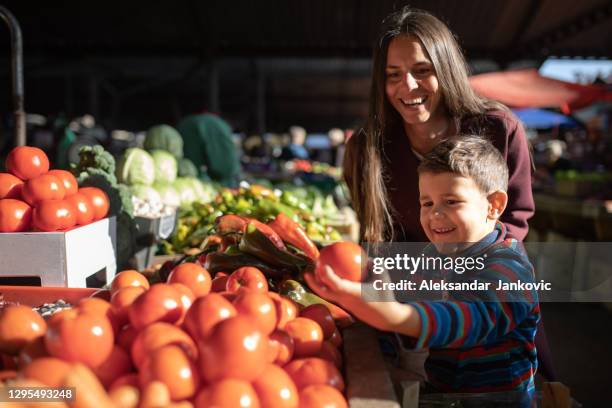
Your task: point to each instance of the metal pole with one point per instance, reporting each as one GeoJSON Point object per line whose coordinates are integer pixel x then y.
{"type": "Point", "coordinates": [17, 77]}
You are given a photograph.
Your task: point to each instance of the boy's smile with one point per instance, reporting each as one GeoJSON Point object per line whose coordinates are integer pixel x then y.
{"type": "Point", "coordinates": [454, 210]}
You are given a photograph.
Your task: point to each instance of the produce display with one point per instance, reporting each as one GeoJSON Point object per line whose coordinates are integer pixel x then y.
{"type": "Point", "coordinates": [235, 327]}
{"type": "Point", "coordinates": [306, 206]}
{"type": "Point", "coordinates": [34, 198]}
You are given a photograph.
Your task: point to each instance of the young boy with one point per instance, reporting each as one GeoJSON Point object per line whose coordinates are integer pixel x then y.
{"type": "Point", "coordinates": [477, 342]}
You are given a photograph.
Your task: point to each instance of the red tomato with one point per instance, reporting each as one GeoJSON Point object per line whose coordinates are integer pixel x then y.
{"type": "Point", "coordinates": [236, 348]}
{"type": "Point", "coordinates": [158, 335]}
{"type": "Point", "coordinates": [193, 276]}
{"type": "Point", "coordinates": [345, 258]}
{"type": "Point", "coordinates": [83, 207]}
{"type": "Point", "coordinates": [228, 393]}
{"type": "Point", "coordinates": [10, 186]}
{"type": "Point", "coordinates": [205, 313]}
{"type": "Point", "coordinates": [116, 365]}
{"type": "Point", "coordinates": [126, 379]}
{"type": "Point", "coordinates": [247, 277]}
{"type": "Point", "coordinates": [161, 303]}
{"type": "Point", "coordinates": [48, 370]}
{"type": "Point", "coordinates": [15, 216]}
{"type": "Point", "coordinates": [286, 309]}
{"type": "Point", "coordinates": [27, 162]}
{"type": "Point", "coordinates": [126, 337]}
{"type": "Point", "coordinates": [336, 338]}
{"type": "Point", "coordinates": [314, 371]}
{"type": "Point", "coordinates": [320, 314]}
{"type": "Point", "coordinates": [70, 182]}
{"type": "Point", "coordinates": [259, 307]}
{"type": "Point", "coordinates": [307, 335]}
{"type": "Point", "coordinates": [99, 200]}
{"type": "Point", "coordinates": [187, 298]}
{"type": "Point", "coordinates": [54, 215]}
{"type": "Point", "coordinates": [170, 365]}
{"type": "Point", "coordinates": [276, 389]}
{"type": "Point", "coordinates": [317, 396]}
{"type": "Point", "coordinates": [122, 300]}
{"type": "Point", "coordinates": [329, 352]}
{"type": "Point", "coordinates": [281, 347]}
{"type": "Point", "coordinates": [101, 307]}
{"type": "Point", "coordinates": [35, 349]}
{"type": "Point", "coordinates": [219, 283]}
{"type": "Point", "coordinates": [80, 337]}
{"type": "Point", "coordinates": [129, 277]}
{"type": "Point", "coordinates": [43, 187]}
{"type": "Point", "coordinates": [19, 325]}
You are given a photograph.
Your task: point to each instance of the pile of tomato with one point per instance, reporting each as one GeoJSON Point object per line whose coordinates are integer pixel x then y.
{"type": "Point", "coordinates": [192, 341]}
{"type": "Point", "coordinates": [34, 198]}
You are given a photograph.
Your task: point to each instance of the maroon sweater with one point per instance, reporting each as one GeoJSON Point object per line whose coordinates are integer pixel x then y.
{"type": "Point", "coordinates": [505, 132]}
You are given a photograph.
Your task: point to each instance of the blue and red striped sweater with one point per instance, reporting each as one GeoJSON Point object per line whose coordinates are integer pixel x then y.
{"type": "Point", "coordinates": [483, 343]}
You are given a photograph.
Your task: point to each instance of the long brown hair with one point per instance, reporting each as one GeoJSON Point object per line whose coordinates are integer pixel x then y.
{"type": "Point", "coordinates": [364, 169]}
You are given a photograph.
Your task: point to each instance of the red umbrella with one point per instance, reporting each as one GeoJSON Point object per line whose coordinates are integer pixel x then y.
{"type": "Point", "coordinates": [528, 89]}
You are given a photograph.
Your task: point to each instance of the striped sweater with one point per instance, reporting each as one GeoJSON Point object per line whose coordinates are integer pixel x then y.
{"type": "Point", "coordinates": [483, 343]}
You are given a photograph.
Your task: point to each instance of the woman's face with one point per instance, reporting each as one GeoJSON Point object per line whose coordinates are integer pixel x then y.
{"type": "Point", "coordinates": [411, 83]}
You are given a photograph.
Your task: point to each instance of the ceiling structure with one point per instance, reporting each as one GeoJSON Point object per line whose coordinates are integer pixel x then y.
{"type": "Point", "coordinates": [263, 64]}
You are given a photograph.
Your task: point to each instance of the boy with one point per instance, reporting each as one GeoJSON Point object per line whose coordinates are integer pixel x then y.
{"type": "Point", "coordinates": [477, 343]}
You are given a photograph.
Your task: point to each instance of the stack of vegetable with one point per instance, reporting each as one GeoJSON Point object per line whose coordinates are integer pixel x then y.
{"type": "Point", "coordinates": [254, 201]}
{"type": "Point", "coordinates": [194, 340]}
{"type": "Point", "coordinates": [32, 197]}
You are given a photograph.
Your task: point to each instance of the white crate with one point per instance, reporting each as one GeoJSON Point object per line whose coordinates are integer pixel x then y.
{"type": "Point", "coordinates": [64, 259]}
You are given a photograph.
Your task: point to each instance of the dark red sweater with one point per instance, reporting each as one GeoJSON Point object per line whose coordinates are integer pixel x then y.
{"type": "Point", "coordinates": [505, 132]}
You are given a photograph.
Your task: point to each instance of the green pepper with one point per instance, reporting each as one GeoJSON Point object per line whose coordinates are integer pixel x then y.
{"type": "Point", "coordinates": [232, 259]}
{"type": "Point", "coordinates": [256, 243]}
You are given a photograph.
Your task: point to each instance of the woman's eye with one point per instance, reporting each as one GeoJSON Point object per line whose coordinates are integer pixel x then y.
{"type": "Point", "coordinates": [422, 72]}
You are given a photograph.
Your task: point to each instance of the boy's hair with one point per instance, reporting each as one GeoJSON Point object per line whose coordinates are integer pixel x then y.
{"type": "Point", "coordinates": [469, 156]}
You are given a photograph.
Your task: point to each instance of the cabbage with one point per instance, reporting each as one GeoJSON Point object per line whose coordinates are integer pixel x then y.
{"type": "Point", "coordinates": [185, 188]}
{"type": "Point", "coordinates": [146, 193]}
{"type": "Point", "coordinates": [165, 166]}
{"type": "Point", "coordinates": [136, 167]}
{"type": "Point", "coordinates": [169, 195]}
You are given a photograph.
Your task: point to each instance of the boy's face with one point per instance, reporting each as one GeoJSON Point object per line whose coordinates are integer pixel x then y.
{"type": "Point", "coordinates": [455, 211]}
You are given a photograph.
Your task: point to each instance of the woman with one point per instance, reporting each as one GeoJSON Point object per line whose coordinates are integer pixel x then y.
{"type": "Point", "coordinates": [421, 95]}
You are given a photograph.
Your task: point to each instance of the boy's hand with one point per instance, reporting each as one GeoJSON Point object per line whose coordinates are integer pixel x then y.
{"type": "Point", "coordinates": [332, 287]}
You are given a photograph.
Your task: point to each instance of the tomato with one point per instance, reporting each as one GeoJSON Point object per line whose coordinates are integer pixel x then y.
{"type": "Point", "coordinates": [314, 371]}
{"type": "Point", "coordinates": [329, 352]}
{"type": "Point", "coordinates": [228, 393]}
{"type": "Point", "coordinates": [259, 307]}
{"type": "Point", "coordinates": [43, 187]}
{"type": "Point", "coordinates": [129, 277]}
{"type": "Point", "coordinates": [286, 309]}
{"type": "Point", "coordinates": [83, 207]}
{"type": "Point", "coordinates": [158, 335]}
{"type": "Point", "coordinates": [280, 347]}
{"type": "Point", "coordinates": [161, 303]}
{"type": "Point", "coordinates": [10, 186]}
{"type": "Point", "coordinates": [99, 201]}
{"type": "Point", "coordinates": [276, 389]}
{"type": "Point", "coordinates": [236, 348]}
{"type": "Point", "coordinates": [77, 336]}
{"type": "Point", "coordinates": [101, 307]}
{"type": "Point", "coordinates": [320, 314]}
{"type": "Point", "coordinates": [193, 276]}
{"type": "Point", "coordinates": [317, 396]}
{"type": "Point", "coordinates": [122, 300]}
{"type": "Point", "coordinates": [68, 180]}
{"type": "Point", "coordinates": [116, 365]}
{"type": "Point", "coordinates": [187, 298]}
{"type": "Point", "coordinates": [170, 365]}
{"type": "Point", "coordinates": [336, 338]}
{"type": "Point", "coordinates": [35, 349]}
{"type": "Point", "coordinates": [48, 370]}
{"type": "Point", "coordinates": [205, 313]}
{"type": "Point", "coordinates": [15, 215]}
{"type": "Point", "coordinates": [126, 336]}
{"type": "Point", "coordinates": [345, 258]}
{"type": "Point", "coordinates": [130, 379]}
{"type": "Point", "coordinates": [19, 325]}
{"type": "Point", "coordinates": [54, 215]}
{"type": "Point", "coordinates": [27, 162]}
{"type": "Point", "coordinates": [306, 334]}
{"type": "Point", "coordinates": [247, 277]}
{"type": "Point", "coordinates": [219, 283]}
